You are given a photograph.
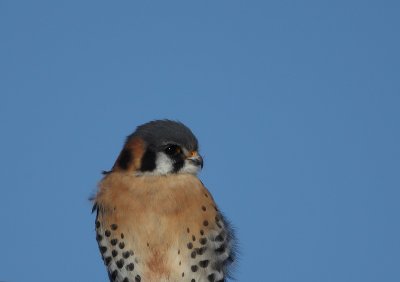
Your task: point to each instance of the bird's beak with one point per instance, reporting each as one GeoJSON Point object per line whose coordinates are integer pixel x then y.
{"type": "Point", "coordinates": [195, 158]}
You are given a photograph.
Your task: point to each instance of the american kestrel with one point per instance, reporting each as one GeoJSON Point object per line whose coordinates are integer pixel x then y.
{"type": "Point", "coordinates": [155, 220]}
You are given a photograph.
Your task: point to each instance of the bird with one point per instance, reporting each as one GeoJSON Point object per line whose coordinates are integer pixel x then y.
{"type": "Point", "coordinates": [155, 220]}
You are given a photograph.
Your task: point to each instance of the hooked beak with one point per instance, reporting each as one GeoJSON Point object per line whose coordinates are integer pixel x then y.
{"type": "Point", "coordinates": [196, 159]}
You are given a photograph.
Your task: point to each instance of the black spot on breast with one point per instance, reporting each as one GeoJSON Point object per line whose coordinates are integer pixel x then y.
{"type": "Point", "coordinates": [203, 241]}
{"type": "Point", "coordinates": [194, 268]}
{"type": "Point", "coordinates": [193, 254]}
{"type": "Point", "coordinates": [137, 278]}
{"type": "Point", "coordinates": [205, 222]}
{"type": "Point", "coordinates": [130, 267]}
{"type": "Point", "coordinates": [148, 161]}
{"type": "Point", "coordinates": [190, 245]}
{"type": "Point", "coordinates": [193, 280]}
{"type": "Point", "coordinates": [219, 238]}
{"type": "Point", "coordinates": [114, 226]}
{"type": "Point", "coordinates": [203, 208]}
{"type": "Point", "coordinates": [114, 275]}
{"type": "Point", "coordinates": [211, 277]}
{"type": "Point", "coordinates": [97, 224]}
{"type": "Point", "coordinates": [121, 245]}
{"type": "Point", "coordinates": [120, 263]}
{"type": "Point", "coordinates": [108, 233]}
{"type": "Point", "coordinates": [201, 250]}
{"type": "Point", "coordinates": [114, 253]}
{"type": "Point", "coordinates": [125, 279]}
{"type": "Point", "coordinates": [125, 159]}
{"type": "Point", "coordinates": [126, 254]}
{"type": "Point", "coordinates": [218, 266]}
{"type": "Point", "coordinates": [221, 249]}
{"type": "Point", "coordinates": [188, 230]}
{"type": "Point", "coordinates": [204, 263]}
{"type": "Point", "coordinates": [183, 274]}
{"type": "Point", "coordinates": [201, 232]}
{"type": "Point", "coordinates": [107, 260]}
{"type": "Point", "coordinates": [122, 235]}
{"type": "Point", "coordinates": [193, 238]}
{"type": "Point", "coordinates": [103, 249]}
{"type": "Point", "coordinates": [114, 241]}
{"type": "Point", "coordinates": [99, 237]}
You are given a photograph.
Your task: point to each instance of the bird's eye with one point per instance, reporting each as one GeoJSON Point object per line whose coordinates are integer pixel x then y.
{"type": "Point", "coordinates": [172, 150]}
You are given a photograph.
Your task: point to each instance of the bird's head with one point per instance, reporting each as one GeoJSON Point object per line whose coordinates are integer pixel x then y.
{"type": "Point", "coordinates": [160, 147]}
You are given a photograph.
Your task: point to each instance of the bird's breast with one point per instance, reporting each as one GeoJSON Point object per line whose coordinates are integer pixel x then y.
{"type": "Point", "coordinates": [165, 222]}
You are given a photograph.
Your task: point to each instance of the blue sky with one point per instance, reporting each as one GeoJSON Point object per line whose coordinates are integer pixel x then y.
{"type": "Point", "coordinates": [295, 104]}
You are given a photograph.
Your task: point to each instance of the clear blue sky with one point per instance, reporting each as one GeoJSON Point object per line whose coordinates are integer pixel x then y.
{"type": "Point", "coordinates": [296, 105]}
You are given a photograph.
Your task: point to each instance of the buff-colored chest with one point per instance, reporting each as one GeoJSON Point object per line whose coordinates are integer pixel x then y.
{"type": "Point", "coordinates": [152, 225]}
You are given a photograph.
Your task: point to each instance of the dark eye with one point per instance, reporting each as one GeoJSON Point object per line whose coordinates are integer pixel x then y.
{"type": "Point", "coordinates": [172, 150]}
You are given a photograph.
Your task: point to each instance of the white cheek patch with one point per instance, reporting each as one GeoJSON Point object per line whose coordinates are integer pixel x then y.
{"type": "Point", "coordinates": [189, 167]}
{"type": "Point", "coordinates": [164, 164]}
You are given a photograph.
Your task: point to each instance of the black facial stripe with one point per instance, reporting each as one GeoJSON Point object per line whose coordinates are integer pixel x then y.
{"type": "Point", "coordinates": [125, 159]}
{"type": "Point", "coordinates": [148, 161]}
{"type": "Point", "coordinates": [178, 163]}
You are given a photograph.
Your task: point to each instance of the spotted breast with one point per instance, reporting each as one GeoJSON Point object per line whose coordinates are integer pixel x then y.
{"type": "Point", "coordinates": [158, 228]}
